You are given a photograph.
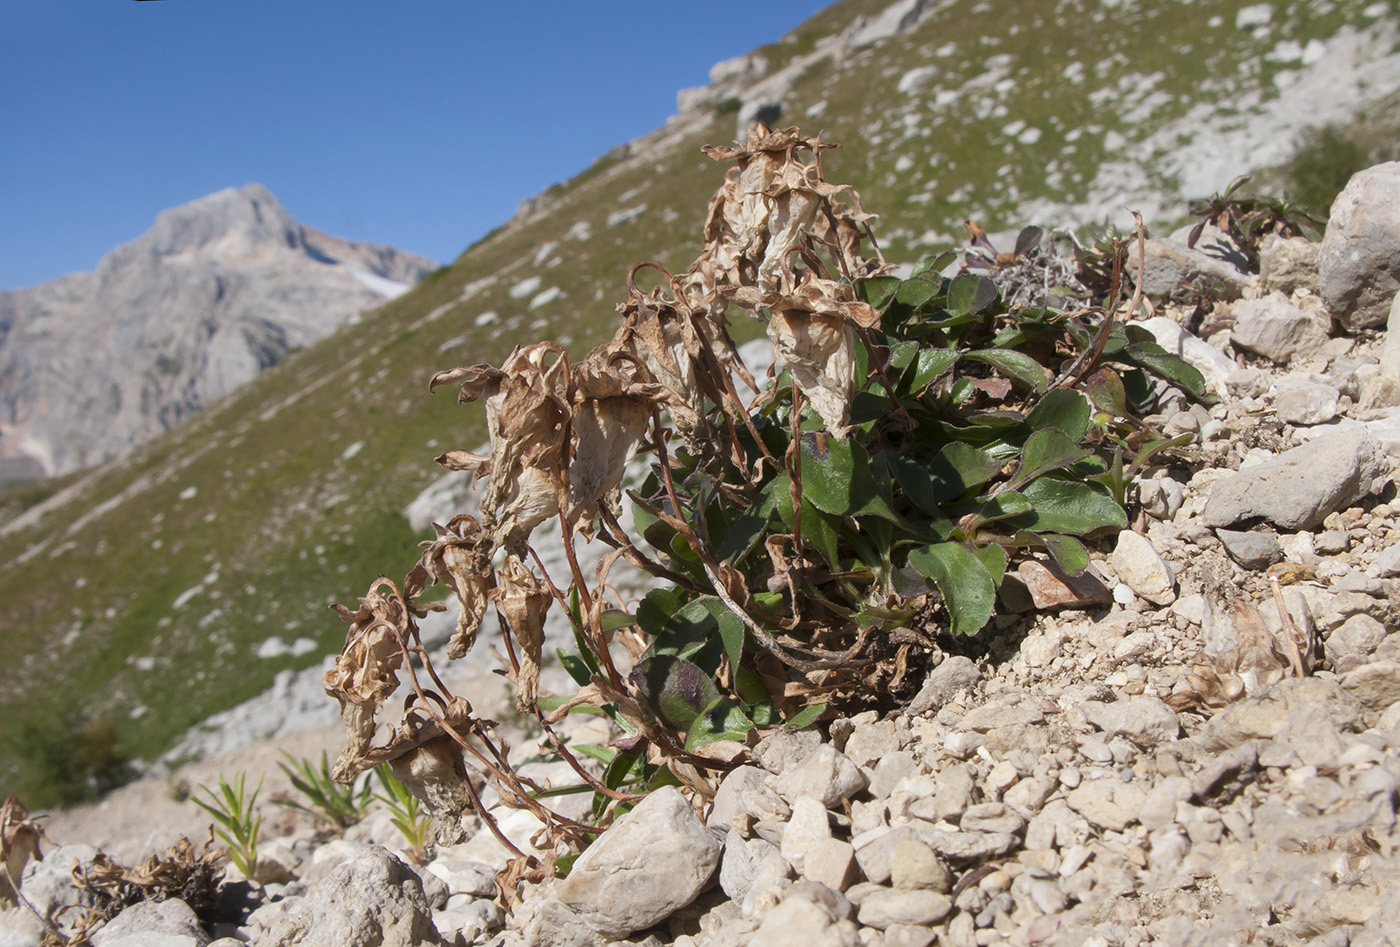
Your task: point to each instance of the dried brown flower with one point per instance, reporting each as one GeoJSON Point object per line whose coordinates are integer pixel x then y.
{"type": "Point", "coordinates": [460, 559]}
{"type": "Point", "coordinates": [526, 414]}
{"type": "Point", "coordinates": [522, 599]}
{"type": "Point", "coordinates": [19, 842]}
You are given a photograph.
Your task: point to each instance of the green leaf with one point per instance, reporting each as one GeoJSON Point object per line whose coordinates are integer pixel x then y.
{"type": "Point", "coordinates": [805, 717]}
{"type": "Point", "coordinates": [878, 291]}
{"type": "Point", "coordinates": [722, 719]}
{"type": "Point", "coordinates": [968, 591]}
{"type": "Point", "coordinates": [575, 666]}
{"type": "Point", "coordinates": [1014, 366]}
{"type": "Point", "coordinates": [1064, 410]}
{"type": "Point", "coordinates": [818, 528]}
{"type": "Point", "coordinates": [933, 266]}
{"type": "Point", "coordinates": [1046, 450]}
{"type": "Point", "coordinates": [1067, 551]}
{"type": "Point", "coordinates": [748, 526]}
{"type": "Point", "coordinates": [959, 467]}
{"type": "Point", "coordinates": [993, 559]}
{"type": "Point", "coordinates": [732, 632]}
{"type": "Point", "coordinates": [1105, 389]}
{"type": "Point", "coordinates": [615, 619]}
{"type": "Point", "coordinates": [928, 365]}
{"type": "Point", "coordinates": [1003, 506]}
{"type": "Point", "coordinates": [656, 607]}
{"type": "Point", "coordinates": [902, 353]}
{"type": "Point", "coordinates": [836, 477]}
{"type": "Point", "coordinates": [916, 291]}
{"type": "Point", "coordinates": [969, 293]}
{"type": "Point", "coordinates": [693, 622]}
{"type": "Point", "coordinates": [1172, 368]}
{"type": "Point", "coordinates": [602, 754]}
{"type": "Point", "coordinates": [676, 689]}
{"type": "Point", "coordinates": [1065, 506]}
{"type": "Point", "coordinates": [1155, 447]}
{"type": "Point", "coordinates": [751, 688]}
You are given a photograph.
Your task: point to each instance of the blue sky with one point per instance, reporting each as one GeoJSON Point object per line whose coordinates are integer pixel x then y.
{"type": "Point", "coordinates": [420, 124]}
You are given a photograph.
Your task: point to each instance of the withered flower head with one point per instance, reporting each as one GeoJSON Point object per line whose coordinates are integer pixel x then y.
{"type": "Point", "coordinates": [435, 773]}
{"type": "Point", "coordinates": [767, 204]}
{"type": "Point", "coordinates": [460, 558]}
{"type": "Point", "coordinates": [366, 672]}
{"type": "Point", "coordinates": [523, 600]}
{"type": "Point", "coordinates": [612, 406]}
{"type": "Point", "coordinates": [813, 336]}
{"type": "Point", "coordinates": [19, 842]}
{"type": "Point", "coordinates": [526, 416]}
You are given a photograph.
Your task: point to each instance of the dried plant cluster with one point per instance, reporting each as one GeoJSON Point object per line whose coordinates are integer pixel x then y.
{"type": "Point", "coordinates": [813, 538]}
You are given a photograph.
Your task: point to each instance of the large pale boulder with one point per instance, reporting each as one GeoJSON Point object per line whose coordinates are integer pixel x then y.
{"type": "Point", "coordinates": [654, 861]}
{"type": "Point", "coordinates": [1297, 489]}
{"type": "Point", "coordinates": [370, 900]}
{"type": "Point", "coordinates": [1276, 329]}
{"type": "Point", "coordinates": [1359, 263]}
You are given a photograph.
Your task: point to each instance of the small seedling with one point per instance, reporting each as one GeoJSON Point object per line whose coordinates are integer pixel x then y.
{"type": "Point", "coordinates": [339, 806]}
{"type": "Point", "coordinates": [406, 813]}
{"type": "Point", "coordinates": [232, 809]}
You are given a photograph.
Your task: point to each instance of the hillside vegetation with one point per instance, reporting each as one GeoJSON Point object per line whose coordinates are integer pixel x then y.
{"type": "Point", "coordinates": [138, 595]}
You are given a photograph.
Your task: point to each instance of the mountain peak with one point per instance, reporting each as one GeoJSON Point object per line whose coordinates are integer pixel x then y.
{"type": "Point", "coordinates": [242, 216]}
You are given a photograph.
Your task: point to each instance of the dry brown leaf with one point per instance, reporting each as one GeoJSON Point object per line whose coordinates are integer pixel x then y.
{"type": "Point", "coordinates": [612, 407]}
{"type": "Point", "coordinates": [523, 600]}
{"type": "Point", "coordinates": [526, 416]}
{"type": "Point", "coordinates": [460, 559]}
{"type": "Point", "coordinates": [19, 842]}
{"type": "Point", "coordinates": [1239, 654]}
{"type": "Point", "coordinates": [366, 672]}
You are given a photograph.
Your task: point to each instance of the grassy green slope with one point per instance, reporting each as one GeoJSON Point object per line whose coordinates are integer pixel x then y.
{"type": "Point", "coordinates": [139, 594]}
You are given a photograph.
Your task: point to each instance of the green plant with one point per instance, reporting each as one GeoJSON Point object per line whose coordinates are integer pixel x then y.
{"type": "Point", "coordinates": [406, 813]}
{"type": "Point", "coordinates": [1248, 218]}
{"type": "Point", "coordinates": [917, 437]}
{"type": "Point", "coordinates": [339, 806]}
{"type": "Point", "coordinates": [237, 825]}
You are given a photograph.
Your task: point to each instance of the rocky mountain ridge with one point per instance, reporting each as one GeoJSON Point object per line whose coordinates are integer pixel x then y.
{"type": "Point", "coordinates": [217, 291]}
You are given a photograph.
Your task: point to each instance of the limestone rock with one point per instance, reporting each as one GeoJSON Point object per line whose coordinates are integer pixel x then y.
{"type": "Point", "coordinates": [372, 898]}
{"type": "Point", "coordinates": [1276, 329]}
{"type": "Point", "coordinates": [1138, 563]}
{"type": "Point", "coordinates": [827, 774]}
{"type": "Point", "coordinates": [653, 861]}
{"type": "Point", "coordinates": [170, 923]}
{"type": "Point", "coordinates": [1358, 635]}
{"type": "Point", "coordinates": [1144, 720]}
{"type": "Point", "coordinates": [785, 748]}
{"type": "Point", "coordinates": [1170, 267]}
{"type": "Point", "coordinates": [1250, 548]}
{"type": "Point", "coordinates": [1376, 685]}
{"type": "Point", "coordinates": [1288, 264]}
{"type": "Point", "coordinates": [884, 908]}
{"type": "Point", "coordinates": [1300, 487]}
{"type": "Point", "coordinates": [1051, 587]}
{"type": "Point", "coordinates": [1300, 400]}
{"type": "Point", "coordinates": [955, 674]}
{"type": "Point", "coordinates": [1107, 803]}
{"type": "Point", "coordinates": [1359, 262]}
{"type": "Point", "coordinates": [799, 920]}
